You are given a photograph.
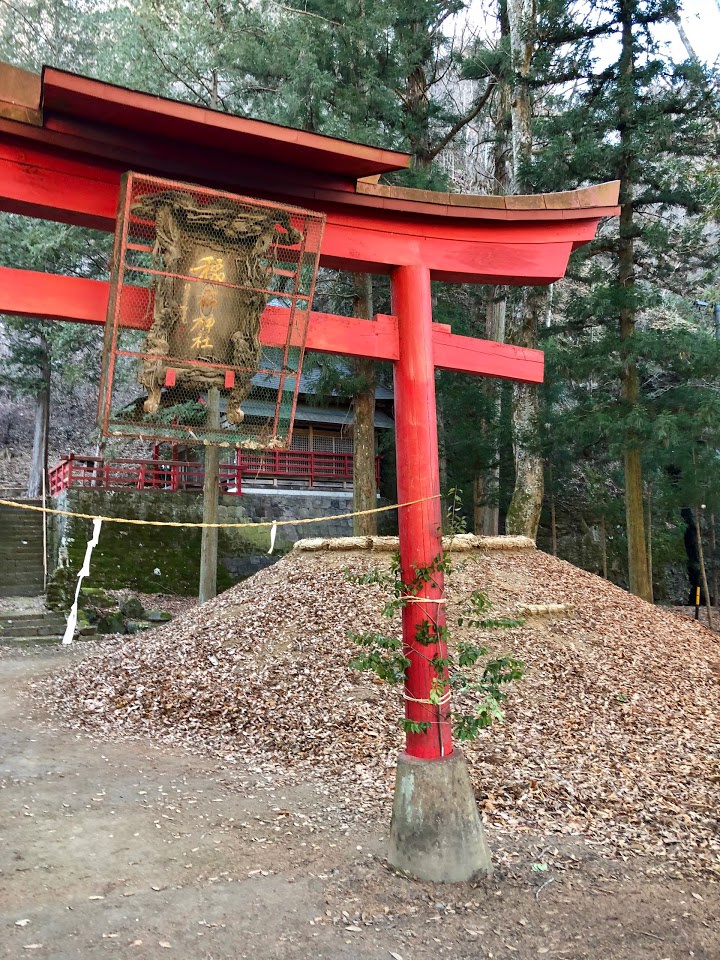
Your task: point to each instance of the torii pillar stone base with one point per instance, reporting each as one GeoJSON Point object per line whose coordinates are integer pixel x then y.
{"type": "Point", "coordinates": [435, 832]}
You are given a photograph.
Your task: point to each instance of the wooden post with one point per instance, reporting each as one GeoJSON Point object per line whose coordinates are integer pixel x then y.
{"type": "Point", "coordinates": [209, 543]}
{"type": "Point", "coordinates": [418, 478]}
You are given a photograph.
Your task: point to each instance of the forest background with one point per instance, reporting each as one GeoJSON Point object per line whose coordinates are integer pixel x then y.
{"type": "Point", "coordinates": [613, 463]}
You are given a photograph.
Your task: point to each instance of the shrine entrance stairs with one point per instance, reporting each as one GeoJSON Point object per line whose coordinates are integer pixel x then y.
{"type": "Point", "coordinates": [21, 552]}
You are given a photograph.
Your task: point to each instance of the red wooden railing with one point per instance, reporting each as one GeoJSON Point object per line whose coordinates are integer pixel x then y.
{"type": "Point", "coordinates": [183, 475]}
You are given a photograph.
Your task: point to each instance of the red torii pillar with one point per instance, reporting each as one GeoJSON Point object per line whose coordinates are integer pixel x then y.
{"type": "Point", "coordinates": [418, 478]}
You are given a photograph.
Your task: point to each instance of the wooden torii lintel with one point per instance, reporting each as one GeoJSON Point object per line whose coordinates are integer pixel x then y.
{"type": "Point", "coordinates": [28, 293]}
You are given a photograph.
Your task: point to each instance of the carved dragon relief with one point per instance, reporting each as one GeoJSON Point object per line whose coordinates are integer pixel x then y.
{"type": "Point", "coordinates": [219, 243]}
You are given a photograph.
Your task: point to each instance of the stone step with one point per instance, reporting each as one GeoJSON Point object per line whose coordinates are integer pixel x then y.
{"type": "Point", "coordinates": [23, 541]}
{"type": "Point", "coordinates": [12, 518]}
{"type": "Point", "coordinates": [27, 641]}
{"type": "Point", "coordinates": [8, 519]}
{"type": "Point", "coordinates": [26, 520]}
{"type": "Point", "coordinates": [32, 630]}
{"type": "Point", "coordinates": [29, 520]}
{"type": "Point", "coordinates": [12, 587]}
{"type": "Point", "coordinates": [8, 553]}
{"type": "Point", "coordinates": [33, 530]}
{"type": "Point", "coordinates": [17, 571]}
{"type": "Point", "coordinates": [25, 532]}
{"type": "Point", "coordinates": [29, 587]}
{"type": "Point", "coordinates": [27, 523]}
{"type": "Point", "coordinates": [24, 559]}
{"type": "Point", "coordinates": [24, 619]}
{"type": "Point", "coordinates": [20, 550]}
{"type": "Point", "coordinates": [23, 588]}
{"type": "Point", "coordinates": [21, 529]}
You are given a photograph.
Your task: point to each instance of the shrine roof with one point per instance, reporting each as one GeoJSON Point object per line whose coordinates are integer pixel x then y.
{"type": "Point", "coordinates": [124, 129]}
{"type": "Point", "coordinates": [58, 93]}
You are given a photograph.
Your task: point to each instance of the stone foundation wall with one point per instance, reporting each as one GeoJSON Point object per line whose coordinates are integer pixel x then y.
{"type": "Point", "coordinates": [167, 559]}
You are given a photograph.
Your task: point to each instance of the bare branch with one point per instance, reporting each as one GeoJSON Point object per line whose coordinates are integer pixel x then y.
{"type": "Point", "coordinates": [303, 13]}
{"type": "Point", "coordinates": [463, 121]}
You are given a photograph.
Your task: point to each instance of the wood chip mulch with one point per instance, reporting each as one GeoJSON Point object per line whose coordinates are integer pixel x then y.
{"type": "Point", "coordinates": [612, 735]}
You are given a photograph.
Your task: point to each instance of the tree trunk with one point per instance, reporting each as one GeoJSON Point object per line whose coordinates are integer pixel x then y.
{"type": "Point", "coordinates": [495, 314]}
{"type": "Point", "coordinates": [553, 516]}
{"type": "Point", "coordinates": [478, 504]}
{"type": "Point", "coordinates": [649, 546]}
{"type": "Point", "coordinates": [522, 26]}
{"type": "Point", "coordinates": [634, 519]}
{"type": "Point", "coordinates": [41, 436]}
{"type": "Point", "coordinates": [630, 386]}
{"type": "Point", "coordinates": [496, 309]}
{"type": "Point", "coordinates": [523, 515]}
{"type": "Point", "coordinates": [442, 445]}
{"type": "Point", "coordinates": [364, 482]}
{"type": "Point", "coordinates": [684, 39]}
{"type": "Point", "coordinates": [713, 561]}
{"type": "Point", "coordinates": [603, 547]}
{"type": "Point", "coordinates": [703, 572]}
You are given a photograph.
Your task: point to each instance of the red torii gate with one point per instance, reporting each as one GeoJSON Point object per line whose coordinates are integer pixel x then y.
{"type": "Point", "coordinates": [65, 140]}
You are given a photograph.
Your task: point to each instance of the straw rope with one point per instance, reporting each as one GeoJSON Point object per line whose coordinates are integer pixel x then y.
{"type": "Point", "coordinates": [219, 526]}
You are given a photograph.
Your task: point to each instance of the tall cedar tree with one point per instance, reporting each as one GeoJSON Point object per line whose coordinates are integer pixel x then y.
{"type": "Point", "coordinates": [523, 516]}
{"type": "Point", "coordinates": [650, 123]}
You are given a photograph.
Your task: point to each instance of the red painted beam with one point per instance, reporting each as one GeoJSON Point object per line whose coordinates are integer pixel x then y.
{"type": "Point", "coordinates": [28, 293]}
{"type": "Point", "coordinates": [39, 181]}
{"type": "Point", "coordinates": [48, 296]}
{"type": "Point", "coordinates": [470, 355]}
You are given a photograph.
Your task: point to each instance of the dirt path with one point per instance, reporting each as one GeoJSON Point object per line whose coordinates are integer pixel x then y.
{"type": "Point", "coordinates": [125, 850]}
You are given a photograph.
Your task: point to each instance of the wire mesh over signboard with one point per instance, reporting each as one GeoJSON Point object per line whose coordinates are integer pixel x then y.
{"type": "Point", "coordinates": [209, 307]}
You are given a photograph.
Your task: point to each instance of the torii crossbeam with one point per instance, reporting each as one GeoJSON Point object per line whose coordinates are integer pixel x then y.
{"type": "Point", "coordinates": [65, 140]}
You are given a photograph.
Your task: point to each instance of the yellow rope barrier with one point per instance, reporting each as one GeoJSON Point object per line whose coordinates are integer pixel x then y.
{"type": "Point", "coordinates": [234, 526]}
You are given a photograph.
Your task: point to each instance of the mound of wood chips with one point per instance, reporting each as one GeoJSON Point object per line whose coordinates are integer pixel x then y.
{"type": "Point", "coordinates": [612, 734]}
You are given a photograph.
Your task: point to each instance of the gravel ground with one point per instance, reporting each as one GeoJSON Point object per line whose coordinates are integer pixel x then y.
{"type": "Point", "coordinates": [610, 738]}
{"type": "Point", "coordinates": [137, 849]}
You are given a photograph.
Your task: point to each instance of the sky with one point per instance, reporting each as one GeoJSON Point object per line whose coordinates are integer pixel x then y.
{"type": "Point", "coordinates": [701, 20]}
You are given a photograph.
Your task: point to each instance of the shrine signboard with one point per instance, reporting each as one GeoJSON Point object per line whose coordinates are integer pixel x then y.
{"type": "Point", "coordinates": [196, 269]}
